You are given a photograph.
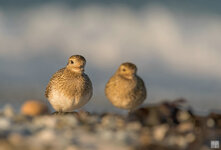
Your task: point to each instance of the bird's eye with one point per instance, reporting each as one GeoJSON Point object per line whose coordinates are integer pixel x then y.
{"type": "Point", "coordinates": [123, 69]}
{"type": "Point", "coordinates": [72, 62]}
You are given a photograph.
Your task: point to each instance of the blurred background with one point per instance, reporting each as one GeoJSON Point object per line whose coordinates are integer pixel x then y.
{"type": "Point", "coordinates": [175, 45]}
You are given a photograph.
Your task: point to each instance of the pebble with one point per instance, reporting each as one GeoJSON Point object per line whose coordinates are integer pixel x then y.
{"type": "Point", "coordinates": [190, 137]}
{"type": "Point", "coordinates": [122, 136]}
{"type": "Point", "coordinates": [145, 137]}
{"type": "Point", "coordinates": [5, 123]}
{"type": "Point", "coordinates": [185, 127]}
{"type": "Point", "coordinates": [34, 108]}
{"type": "Point", "coordinates": [82, 130]}
{"type": "Point", "coordinates": [177, 140]}
{"type": "Point", "coordinates": [112, 121]}
{"type": "Point", "coordinates": [8, 111]}
{"type": "Point", "coordinates": [160, 131]}
{"type": "Point", "coordinates": [16, 138]}
{"type": "Point", "coordinates": [46, 136]}
{"type": "Point", "coordinates": [133, 126]}
{"type": "Point", "coordinates": [210, 123]}
{"type": "Point", "coordinates": [45, 121]}
{"type": "Point", "coordinates": [183, 116]}
{"type": "Point", "coordinates": [107, 134]}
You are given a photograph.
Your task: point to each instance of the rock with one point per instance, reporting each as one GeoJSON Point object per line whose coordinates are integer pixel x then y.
{"type": "Point", "coordinates": [185, 127]}
{"type": "Point", "coordinates": [107, 134]}
{"type": "Point", "coordinates": [34, 108]}
{"type": "Point", "coordinates": [83, 115]}
{"type": "Point", "coordinates": [190, 137]}
{"type": "Point", "coordinates": [164, 126]}
{"type": "Point", "coordinates": [46, 136]}
{"type": "Point", "coordinates": [210, 123]}
{"type": "Point", "coordinates": [8, 111]}
{"type": "Point", "coordinates": [183, 116]}
{"type": "Point", "coordinates": [160, 131]}
{"type": "Point", "coordinates": [121, 136]}
{"type": "Point", "coordinates": [112, 121]}
{"type": "Point", "coordinates": [147, 116]}
{"type": "Point", "coordinates": [68, 120]}
{"type": "Point", "coordinates": [145, 137]}
{"type": "Point", "coordinates": [177, 140]}
{"type": "Point", "coordinates": [5, 123]}
{"type": "Point", "coordinates": [216, 118]}
{"type": "Point", "coordinates": [133, 126]}
{"type": "Point", "coordinates": [16, 139]}
{"type": "Point", "coordinates": [22, 119]}
{"type": "Point", "coordinates": [45, 121]}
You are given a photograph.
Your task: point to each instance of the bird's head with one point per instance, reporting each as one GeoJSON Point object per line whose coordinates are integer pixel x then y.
{"type": "Point", "coordinates": [127, 70]}
{"type": "Point", "coordinates": [76, 63]}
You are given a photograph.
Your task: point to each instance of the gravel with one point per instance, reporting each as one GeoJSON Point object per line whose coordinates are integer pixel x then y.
{"type": "Point", "coordinates": [161, 126]}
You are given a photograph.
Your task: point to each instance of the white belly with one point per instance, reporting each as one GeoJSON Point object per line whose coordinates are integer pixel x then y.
{"type": "Point", "coordinates": [61, 102]}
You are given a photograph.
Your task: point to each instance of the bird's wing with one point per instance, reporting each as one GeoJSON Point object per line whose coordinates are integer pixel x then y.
{"type": "Point", "coordinates": [89, 85]}
{"type": "Point", "coordinates": [56, 75]}
{"type": "Point", "coordinates": [141, 87]}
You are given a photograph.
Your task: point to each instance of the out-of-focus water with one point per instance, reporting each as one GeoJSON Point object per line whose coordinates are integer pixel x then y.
{"type": "Point", "coordinates": [176, 49]}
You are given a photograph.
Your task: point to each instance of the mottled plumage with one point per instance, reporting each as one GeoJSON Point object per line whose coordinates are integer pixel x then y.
{"type": "Point", "coordinates": [126, 89]}
{"type": "Point", "coordinates": [69, 88]}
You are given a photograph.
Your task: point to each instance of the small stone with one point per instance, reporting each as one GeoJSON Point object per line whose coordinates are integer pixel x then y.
{"type": "Point", "coordinates": [107, 134]}
{"type": "Point", "coordinates": [177, 140]}
{"type": "Point", "coordinates": [112, 121]}
{"type": "Point", "coordinates": [217, 119]}
{"type": "Point", "coordinates": [210, 123]}
{"type": "Point", "coordinates": [121, 136]}
{"type": "Point", "coordinates": [8, 111]}
{"type": "Point", "coordinates": [181, 142]}
{"type": "Point", "coordinates": [133, 126]}
{"type": "Point", "coordinates": [71, 121]}
{"type": "Point", "coordinates": [21, 119]}
{"type": "Point", "coordinates": [46, 135]}
{"type": "Point", "coordinates": [48, 121]}
{"type": "Point", "coordinates": [145, 137]}
{"type": "Point", "coordinates": [34, 108]}
{"type": "Point", "coordinates": [83, 114]}
{"type": "Point", "coordinates": [5, 123]}
{"type": "Point", "coordinates": [190, 137]}
{"type": "Point", "coordinates": [16, 139]}
{"type": "Point", "coordinates": [185, 127]}
{"type": "Point", "coordinates": [183, 116]}
{"type": "Point", "coordinates": [153, 118]}
{"type": "Point", "coordinates": [160, 131]}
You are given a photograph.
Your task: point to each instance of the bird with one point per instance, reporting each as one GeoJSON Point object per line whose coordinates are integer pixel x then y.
{"type": "Point", "coordinates": [125, 89]}
{"type": "Point", "coordinates": [69, 88]}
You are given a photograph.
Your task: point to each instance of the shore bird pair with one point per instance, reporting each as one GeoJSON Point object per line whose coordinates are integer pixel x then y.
{"type": "Point", "coordinates": [70, 88]}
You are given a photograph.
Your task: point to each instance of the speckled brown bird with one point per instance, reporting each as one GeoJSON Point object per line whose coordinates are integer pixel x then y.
{"type": "Point", "coordinates": [70, 88]}
{"type": "Point", "coordinates": [126, 89]}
